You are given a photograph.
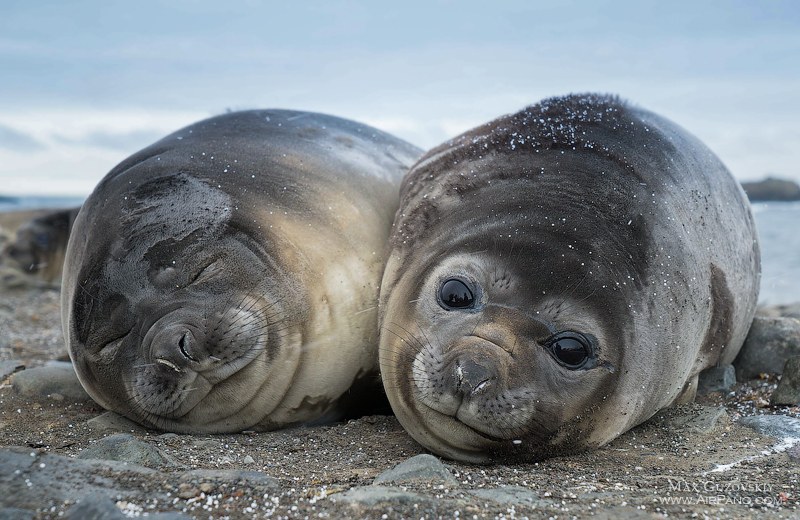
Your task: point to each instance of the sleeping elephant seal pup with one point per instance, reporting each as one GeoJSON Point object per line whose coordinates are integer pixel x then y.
{"type": "Point", "coordinates": [226, 277]}
{"type": "Point", "coordinates": [557, 276]}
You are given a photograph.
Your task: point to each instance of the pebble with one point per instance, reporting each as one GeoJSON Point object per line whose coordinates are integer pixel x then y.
{"type": "Point", "coordinates": [770, 342]}
{"type": "Point", "coordinates": [57, 377]}
{"type": "Point", "coordinates": [716, 379]}
{"type": "Point", "coordinates": [788, 391]}
{"type": "Point", "coordinates": [420, 468]}
{"type": "Point", "coordinates": [124, 447]}
{"type": "Point", "coordinates": [779, 426]}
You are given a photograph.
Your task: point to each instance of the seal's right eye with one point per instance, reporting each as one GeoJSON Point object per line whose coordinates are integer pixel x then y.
{"type": "Point", "coordinates": [456, 294]}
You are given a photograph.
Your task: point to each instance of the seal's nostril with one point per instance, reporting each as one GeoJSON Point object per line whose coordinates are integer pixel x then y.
{"type": "Point", "coordinates": [183, 344]}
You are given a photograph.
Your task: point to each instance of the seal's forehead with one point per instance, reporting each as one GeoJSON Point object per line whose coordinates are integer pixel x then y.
{"type": "Point", "coordinates": [179, 201]}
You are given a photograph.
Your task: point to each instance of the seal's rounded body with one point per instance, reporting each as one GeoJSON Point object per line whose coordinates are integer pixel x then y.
{"type": "Point", "coordinates": [557, 276]}
{"type": "Point", "coordinates": [226, 277]}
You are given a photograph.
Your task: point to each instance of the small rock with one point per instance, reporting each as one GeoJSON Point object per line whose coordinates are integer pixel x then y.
{"type": "Point", "coordinates": [111, 421]}
{"type": "Point", "coordinates": [421, 468]}
{"type": "Point", "coordinates": [94, 507]}
{"type": "Point", "coordinates": [54, 378]}
{"type": "Point", "coordinates": [124, 447]}
{"type": "Point", "coordinates": [186, 490]}
{"type": "Point", "coordinates": [770, 342]}
{"type": "Point", "coordinates": [249, 460]}
{"type": "Point", "coordinates": [716, 379]}
{"type": "Point", "coordinates": [779, 426]}
{"type": "Point", "coordinates": [9, 367]}
{"type": "Point", "coordinates": [788, 391]}
{"type": "Point", "coordinates": [372, 495]}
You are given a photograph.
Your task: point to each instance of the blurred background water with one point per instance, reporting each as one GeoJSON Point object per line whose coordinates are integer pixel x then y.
{"type": "Point", "coordinates": [777, 223]}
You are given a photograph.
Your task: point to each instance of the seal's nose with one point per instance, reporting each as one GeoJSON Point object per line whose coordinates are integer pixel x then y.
{"type": "Point", "coordinates": [472, 377]}
{"type": "Point", "coordinates": [174, 347]}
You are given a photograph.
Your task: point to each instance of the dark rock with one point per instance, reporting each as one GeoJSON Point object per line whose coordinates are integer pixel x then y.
{"type": "Point", "coordinates": [9, 367]}
{"type": "Point", "coordinates": [772, 189]}
{"type": "Point", "coordinates": [374, 495]}
{"type": "Point", "coordinates": [779, 426]}
{"type": "Point", "coordinates": [788, 391]}
{"type": "Point", "coordinates": [716, 379]}
{"type": "Point", "coordinates": [30, 480]}
{"type": "Point", "coordinates": [770, 342]}
{"type": "Point", "coordinates": [97, 506]}
{"type": "Point", "coordinates": [421, 468]}
{"type": "Point", "coordinates": [55, 378]}
{"type": "Point", "coordinates": [124, 447]}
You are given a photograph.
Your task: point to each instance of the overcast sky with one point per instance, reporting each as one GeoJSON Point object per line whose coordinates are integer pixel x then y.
{"type": "Point", "coordinates": [83, 84]}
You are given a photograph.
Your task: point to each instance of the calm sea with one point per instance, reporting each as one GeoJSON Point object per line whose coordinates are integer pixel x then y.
{"type": "Point", "coordinates": [777, 223]}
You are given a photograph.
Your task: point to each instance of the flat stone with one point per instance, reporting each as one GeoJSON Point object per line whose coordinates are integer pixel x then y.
{"type": "Point", "coordinates": [788, 391]}
{"type": "Point", "coordinates": [124, 447]}
{"type": "Point", "coordinates": [56, 377]}
{"type": "Point", "coordinates": [420, 468]}
{"type": "Point", "coordinates": [770, 342]}
{"type": "Point", "coordinates": [511, 495]}
{"type": "Point", "coordinates": [779, 426]}
{"type": "Point", "coordinates": [716, 379]}
{"type": "Point", "coordinates": [229, 476]}
{"type": "Point", "coordinates": [111, 421]}
{"type": "Point", "coordinates": [697, 418]}
{"type": "Point", "coordinates": [374, 495]}
{"type": "Point", "coordinates": [8, 367]}
{"type": "Point", "coordinates": [94, 507]}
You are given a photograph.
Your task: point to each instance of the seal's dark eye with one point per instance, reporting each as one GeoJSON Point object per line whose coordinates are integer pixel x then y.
{"type": "Point", "coordinates": [571, 349]}
{"type": "Point", "coordinates": [456, 294]}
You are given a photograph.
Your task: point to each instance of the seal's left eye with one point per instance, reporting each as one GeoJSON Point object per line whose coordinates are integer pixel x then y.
{"type": "Point", "coordinates": [571, 349]}
{"type": "Point", "coordinates": [456, 294]}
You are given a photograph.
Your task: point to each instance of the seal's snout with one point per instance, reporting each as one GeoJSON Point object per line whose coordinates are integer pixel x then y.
{"type": "Point", "coordinates": [471, 377]}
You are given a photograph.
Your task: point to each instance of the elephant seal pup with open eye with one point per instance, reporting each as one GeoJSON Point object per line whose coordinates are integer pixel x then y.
{"type": "Point", "coordinates": [226, 277]}
{"type": "Point", "coordinates": [557, 276]}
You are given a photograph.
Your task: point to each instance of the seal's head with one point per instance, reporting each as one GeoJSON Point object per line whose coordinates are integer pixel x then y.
{"type": "Point", "coordinates": [175, 316]}
{"type": "Point", "coordinates": [39, 245]}
{"type": "Point", "coordinates": [549, 283]}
